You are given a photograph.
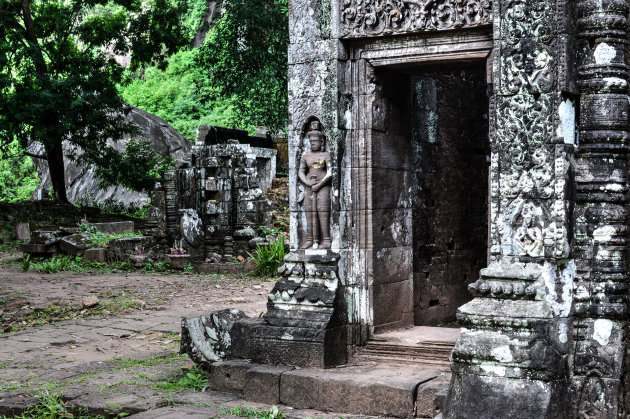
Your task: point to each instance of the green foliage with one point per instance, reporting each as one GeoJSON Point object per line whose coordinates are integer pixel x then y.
{"type": "Point", "coordinates": [52, 406]}
{"type": "Point", "coordinates": [112, 206]}
{"type": "Point", "coordinates": [266, 231]}
{"type": "Point", "coordinates": [189, 268]}
{"type": "Point", "coordinates": [56, 264]}
{"type": "Point", "coordinates": [137, 168]}
{"type": "Point", "coordinates": [161, 266]}
{"type": "Point", "coordinates": [195, 380]}
{"type": "Point", "coordinates": [247, 412]}
{"type": "Point", "coordinates": [269, 258]}
{"type": "Point", "coordinates": [18, 176]}
{"type": "Point", "coordinates": [102, 239]}
{"type": "Point", "coordinates": [173, 94]}
{"type": "Point", "coordinates": [58, 79]}
{"type": "Point", "coordinates": [246, 59]}
{"type": "Point", "coordinates": [67, 263]}
{"type": "Point", "coordinates": [26, 262]}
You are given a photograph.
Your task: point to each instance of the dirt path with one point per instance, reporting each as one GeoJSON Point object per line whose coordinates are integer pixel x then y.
{"type": "Point", "coordinates": [163, 299]}
{"type": "Point", "coordinates": [121, 362]}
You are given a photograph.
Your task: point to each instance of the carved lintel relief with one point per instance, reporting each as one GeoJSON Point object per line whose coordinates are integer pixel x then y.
{"type": "Point", "coordinates": [367, 18]}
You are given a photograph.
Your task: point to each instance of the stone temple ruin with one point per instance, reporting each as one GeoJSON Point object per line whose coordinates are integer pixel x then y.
{"type": "Point", "coordinates": [212, 208]}
{"type": "Point", "coordinates": [476, 156]}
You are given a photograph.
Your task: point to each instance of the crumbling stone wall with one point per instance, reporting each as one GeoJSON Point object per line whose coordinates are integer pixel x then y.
{"type": "Point", "coordinates": [213, 208]}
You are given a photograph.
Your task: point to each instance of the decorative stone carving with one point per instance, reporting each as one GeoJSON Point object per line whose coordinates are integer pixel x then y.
{"type": "Point", "coordinates": [366, 18]}
{"type": "Point", "coordinates": [315, 173]}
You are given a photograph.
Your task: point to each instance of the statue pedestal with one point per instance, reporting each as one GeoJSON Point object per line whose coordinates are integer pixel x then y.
{"type": "Point", "coordinates": [305, 322]}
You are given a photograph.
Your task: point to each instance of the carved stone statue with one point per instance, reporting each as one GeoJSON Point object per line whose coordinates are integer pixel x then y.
{"type": "Point", "coordinates": [315, 173]}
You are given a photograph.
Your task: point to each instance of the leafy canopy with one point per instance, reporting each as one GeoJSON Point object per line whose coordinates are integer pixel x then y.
{"type": "Point", "coordinates": [245, 58]}
{"type": "Point", "coordinates": [58, 72]}
{"type": "Point", "coordinates": [173, 94]}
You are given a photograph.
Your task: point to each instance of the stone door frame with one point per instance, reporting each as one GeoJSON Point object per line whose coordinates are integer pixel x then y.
{"type": "Point", "coordinates": [363, 57]}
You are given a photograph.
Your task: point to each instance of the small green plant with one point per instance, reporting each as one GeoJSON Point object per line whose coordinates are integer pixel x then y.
{"type": "Point", "coordinates": [268, 258]}
{"type": "Point", "coordinates": [161, 266]}
{"type": "Point", "coordinates": [26, 262]}
{"type": "Point", "coordinates": [247, 412]}
{"type": "Point", "coordinates": [195, 380]}
{"type": "Point", "coordinates": [57, 264]}
{"type": "Point", "coordinates": [189, 268]}
{"type": "Point", "coordinates": [266, 231]}
{"type": "Point", "coordinates": [52, 406]}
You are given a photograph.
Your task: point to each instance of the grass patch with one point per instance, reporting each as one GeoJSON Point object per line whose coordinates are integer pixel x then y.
{"type": "Point", "coordinates": [194, 379]}
{"type": "Point", "coordinates": [61, 310]}
{"type": "Point", "coordinates": [102, 239]}
{"type": "Point", "coordinates": [10, 247]}
{"type": "Point", "coordinates": [247, 412]}
{"type": "Point", "coordinates": [148, 362]}
{"type": "Point", "coordinates": [52, 406]}
{"type": "Point", "coordinates": [67, 263]}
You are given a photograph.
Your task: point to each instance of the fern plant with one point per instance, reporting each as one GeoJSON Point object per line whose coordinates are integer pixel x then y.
{"type": "Point", "coordinates": [268, 258]}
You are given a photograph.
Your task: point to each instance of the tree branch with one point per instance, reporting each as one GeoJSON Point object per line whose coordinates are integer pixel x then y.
{"type": "Point", "coordinates": [35, 156]}
{"type": "Point", "coordinates": [31, 36]}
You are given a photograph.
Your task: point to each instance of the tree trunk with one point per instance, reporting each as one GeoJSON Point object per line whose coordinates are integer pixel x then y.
{"type": "Point", "coordinates": [54, 155]}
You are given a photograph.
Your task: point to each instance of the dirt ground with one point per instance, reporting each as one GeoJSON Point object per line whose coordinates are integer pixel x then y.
{"type": "Point", "coordinates": [167, 296]}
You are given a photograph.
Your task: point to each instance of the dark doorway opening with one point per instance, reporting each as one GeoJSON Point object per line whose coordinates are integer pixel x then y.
{"type": "Point", "coordinates": [451, 152]}
{"type": "Point", "coordinates": [430, 160]}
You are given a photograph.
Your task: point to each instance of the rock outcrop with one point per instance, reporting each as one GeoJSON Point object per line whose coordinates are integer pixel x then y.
{"type": "Point", "coordinates": [82, 183]}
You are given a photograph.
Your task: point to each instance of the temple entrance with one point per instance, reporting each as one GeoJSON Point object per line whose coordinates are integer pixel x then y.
{"type": "Point", "coordinates": [451, 152]}
{"type": "Point", "coordinates": [430, 124]}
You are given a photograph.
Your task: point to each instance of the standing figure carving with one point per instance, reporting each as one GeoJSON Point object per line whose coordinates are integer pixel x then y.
{"type": "Point", "coordinates": [315, 173]}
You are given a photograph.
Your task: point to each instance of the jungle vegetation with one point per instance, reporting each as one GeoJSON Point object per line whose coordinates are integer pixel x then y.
{"type": "Point", "coordinates": [62, 80]}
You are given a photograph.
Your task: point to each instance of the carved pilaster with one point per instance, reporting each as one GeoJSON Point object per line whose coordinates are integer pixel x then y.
{"type": "Point", "coordinates": [601, 211]}
{"type": "Point", "coordinates": [511, 358]}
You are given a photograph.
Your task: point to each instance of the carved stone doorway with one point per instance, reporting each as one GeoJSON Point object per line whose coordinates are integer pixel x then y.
{"type": "Point", "coordinates": [430, 183]}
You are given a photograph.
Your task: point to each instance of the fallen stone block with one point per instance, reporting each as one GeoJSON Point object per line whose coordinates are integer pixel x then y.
{"type": "Point", "coordinates": [95, 255]}
{"type": "Point", "coordinates": [206, 339]}
{"type": "Point", "coordinates": [44, 237]}
{"type": "Point", "coordinates": [75, 244]}
{"type": "Point", "coordinates": [355, 390]}
{"type": "Point", "coordinates": [229, 376]}
{"type": "Point", "coordinates": [22, 231]}
{"type": "Point", "coordinates": [178, 261]}
{"type": "Point", "coordinates": [40, 249]}
{"type": "Point", "coordinates": [119, 249]}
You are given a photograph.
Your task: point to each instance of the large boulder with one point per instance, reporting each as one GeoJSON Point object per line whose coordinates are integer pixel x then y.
{"type": "Point", "coordinates": [81, 182]}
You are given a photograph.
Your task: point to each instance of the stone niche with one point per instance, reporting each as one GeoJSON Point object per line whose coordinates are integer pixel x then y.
{"type": "Point", "coordinates": [214, 207]}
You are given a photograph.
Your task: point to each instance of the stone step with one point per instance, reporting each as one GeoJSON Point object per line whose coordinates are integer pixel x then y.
{"type": "Point", "coordinates": [374, 389]}
{"type": "Point", "coordinates": [420, 345]}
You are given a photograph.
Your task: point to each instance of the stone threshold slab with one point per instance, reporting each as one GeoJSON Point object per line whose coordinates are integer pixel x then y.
{"type": "Point", "coordinates": [390, 390]}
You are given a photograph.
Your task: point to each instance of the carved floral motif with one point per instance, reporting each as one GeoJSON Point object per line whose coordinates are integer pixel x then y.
{"type": "Point", "coordinates": [364, 18]}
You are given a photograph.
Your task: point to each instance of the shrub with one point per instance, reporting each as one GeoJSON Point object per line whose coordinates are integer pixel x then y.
{"type": "Point", "coordinates": [269, 258]}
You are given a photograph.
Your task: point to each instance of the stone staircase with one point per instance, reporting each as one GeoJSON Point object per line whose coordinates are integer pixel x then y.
{"type": "Point", "coordinates": [421, 345]}
{"type": "Point", "coordinates": [398, 374]}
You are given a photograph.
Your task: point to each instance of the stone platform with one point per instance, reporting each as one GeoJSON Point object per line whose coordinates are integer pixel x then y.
{"type": "Point", "coordinates": [367, 389]}
{"type": "Point", "coordinates": [417, 345]}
